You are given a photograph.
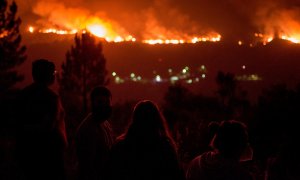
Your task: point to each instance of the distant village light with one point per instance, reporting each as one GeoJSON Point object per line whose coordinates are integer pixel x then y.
{"type": "Point", "coordinates": [174, 78]}
{"type": "Point", "coordinates": [158, 78]}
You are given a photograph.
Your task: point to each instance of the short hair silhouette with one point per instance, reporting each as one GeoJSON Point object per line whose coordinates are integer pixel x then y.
{"type": "Point", "coordinates": [43, 71]}
{"type": "Point", "coordinates": [100, 91]}
{"type": "Point", "coordinates": [231, 138]}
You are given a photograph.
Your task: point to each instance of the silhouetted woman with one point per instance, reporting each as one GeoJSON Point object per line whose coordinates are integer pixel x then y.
{"type": "Point", "coordinates": [146, 150]}
{"type": "Point", "coordinates": [230, 146]}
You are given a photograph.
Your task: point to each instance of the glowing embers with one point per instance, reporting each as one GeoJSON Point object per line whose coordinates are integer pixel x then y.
{"type": "Point", "coordinates": [193, 40]}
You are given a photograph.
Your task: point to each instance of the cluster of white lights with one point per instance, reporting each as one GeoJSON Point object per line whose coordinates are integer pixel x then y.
{"type": "Point", "coordinates": [184, 75]}
{"type": "Point", "coordinates": [251, 77]}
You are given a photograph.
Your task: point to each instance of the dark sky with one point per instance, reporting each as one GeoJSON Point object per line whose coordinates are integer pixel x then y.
{"type": "Point", "coordinates": [231, 18]}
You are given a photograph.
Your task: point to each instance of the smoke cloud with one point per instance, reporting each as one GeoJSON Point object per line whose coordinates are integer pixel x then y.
{"type": "Point", "coordinates": [279, 17]}
{"type": "Point", "coordinates": [154, 18]}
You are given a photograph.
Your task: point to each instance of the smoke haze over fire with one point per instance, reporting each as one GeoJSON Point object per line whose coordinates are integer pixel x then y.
{"type": "Point", "coordinates": [233, 19]}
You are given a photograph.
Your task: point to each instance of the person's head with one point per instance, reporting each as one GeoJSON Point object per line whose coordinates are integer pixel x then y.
{"type": "Point", "coordinates": [147, 121]}
{"type": "Point", "coordinates": [43, 71]}
{"type": "Point", "coordinates": [101, 103]}
{"type": "Point", "coordinates": [231, 139]}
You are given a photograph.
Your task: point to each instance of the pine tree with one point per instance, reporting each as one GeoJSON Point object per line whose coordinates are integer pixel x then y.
{"type": "Point", "coordinates": [84, 68]}
{"type": "Point", "coordinates": [12, 53]}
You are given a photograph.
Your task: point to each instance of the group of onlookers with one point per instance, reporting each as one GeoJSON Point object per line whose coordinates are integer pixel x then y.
{"type": "Point", "coordinates": [146, 151]}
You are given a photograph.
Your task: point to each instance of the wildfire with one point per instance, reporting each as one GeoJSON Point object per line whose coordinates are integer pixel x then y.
{"type": "Point", "coordinates": [103, 32]}
{"type": "Point", "coordinates": [182, 41]}
{"type": "Point", "coordinates": [268, 38]}
{"type": "Point", "coordinates": [96, 29]}
{"type": "Point", "coordinates": [292, 39]}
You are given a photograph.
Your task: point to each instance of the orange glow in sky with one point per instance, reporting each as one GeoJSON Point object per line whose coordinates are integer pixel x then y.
{"type": "Point", "coordinates": [97, 30]}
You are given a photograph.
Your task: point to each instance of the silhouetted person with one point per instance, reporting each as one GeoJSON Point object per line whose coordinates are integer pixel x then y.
{"type": "Point", "coordinates": [41, 135]}
{"type": "Point", "coordinates": [286, 164]}
{"type": "Point", "coordinates": [211, 130]}
{"type": "Point", "coordinates": [94, 136]}
{"type": "Point", "coordinates": [146, 151]}
{"type": "Point", "coordinates": [223, 163]}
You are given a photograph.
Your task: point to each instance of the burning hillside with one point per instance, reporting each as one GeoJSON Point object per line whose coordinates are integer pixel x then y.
{"type": "Point", "coordinates": [101, 31]}
{"type": "Point", "coordinates": [165, 21]}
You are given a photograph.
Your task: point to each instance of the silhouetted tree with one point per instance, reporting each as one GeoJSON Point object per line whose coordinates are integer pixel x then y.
{"type": "Point", "coordinates": [84, 68]}
{"type": "Point", "coordinates": [233, 98]}
{"type": "Point", "coordinates": [12, 53]}
{"type": "Point", "coordinates": [226, 86]}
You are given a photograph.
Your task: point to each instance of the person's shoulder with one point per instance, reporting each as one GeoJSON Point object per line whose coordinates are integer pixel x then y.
{"type": "Point", "coordinates": [28, 89]}
{"type": "Point", "coordinates": [51, 93]}
{"type": "Point", "coordinates": [195, 162]}
{"type": "Point", "coordinates": [119, 146]}
{"type": "Point", "coordinates": [167, 143]}
{"type": "Point", "coordinates": [197, 158]}
{"type": "Point", "coordinates": [39, 90]}
{"type": "Point", "coordinates": [193, 168]}
{"type": "Point", "coordinates": [120, 141]}
{"type": "Point", "coordinates": [27, 92]}
{"type": "Point", "coordinates": [85, 125]}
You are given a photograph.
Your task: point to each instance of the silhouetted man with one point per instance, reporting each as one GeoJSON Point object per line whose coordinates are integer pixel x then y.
{"type": "Point", "coordinates": [94, 136]}
{"type": "Point", "coordinates": [41, 135]}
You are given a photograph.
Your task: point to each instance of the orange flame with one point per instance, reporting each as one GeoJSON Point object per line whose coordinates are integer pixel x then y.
{"type": "Point", "coordinates": [181, 41]}
{"type": "Point", "coordinates": [268, 38]}
{"type": "Point", "coordinates": [105, 31]}
{"type": "Point", "coordinates": [76, 19]}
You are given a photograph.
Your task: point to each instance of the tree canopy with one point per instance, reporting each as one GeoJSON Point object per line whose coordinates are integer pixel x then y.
{"type": "Point", "coordinates": [83, 69]}
{"type": "Point", "coordinates": [12, 53]}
